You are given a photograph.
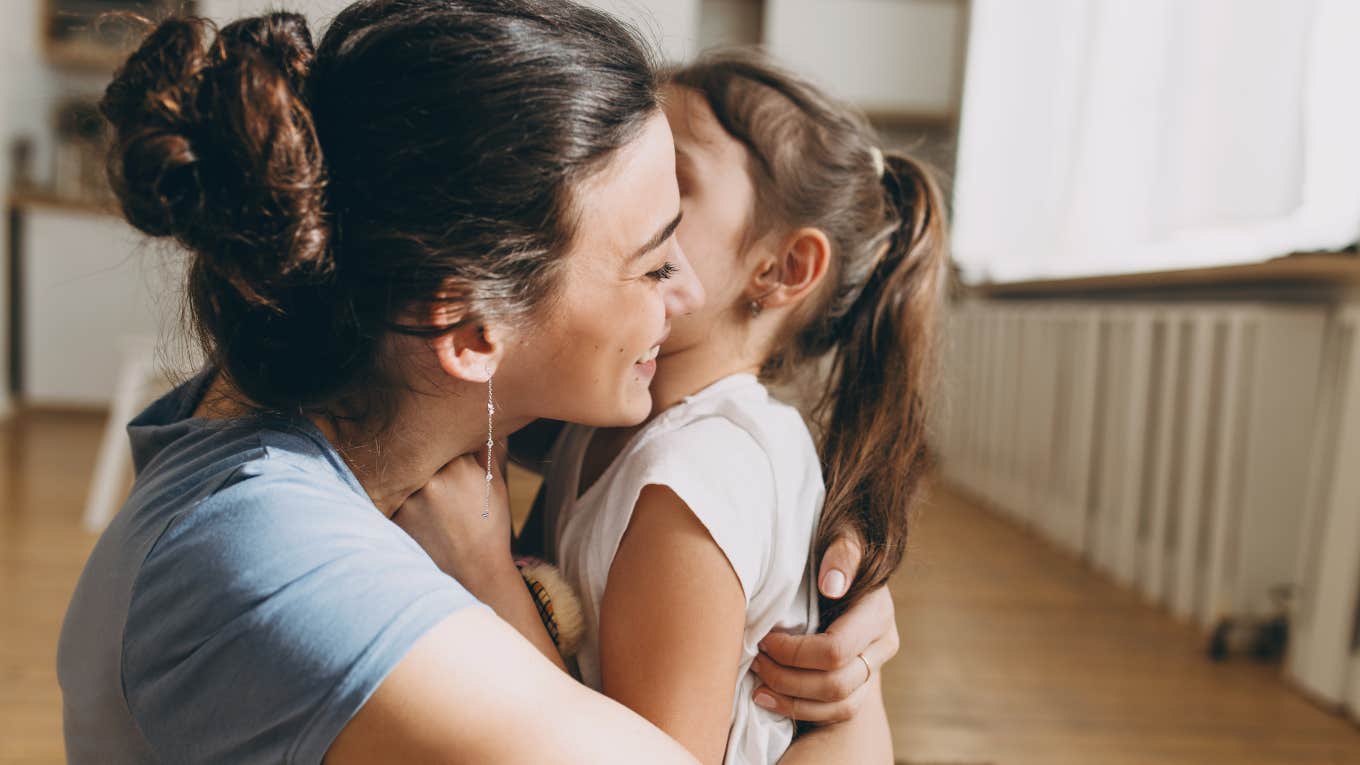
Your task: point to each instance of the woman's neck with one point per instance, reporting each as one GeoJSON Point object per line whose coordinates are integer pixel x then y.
{"type": "Point", "coordinates": [424, 433]}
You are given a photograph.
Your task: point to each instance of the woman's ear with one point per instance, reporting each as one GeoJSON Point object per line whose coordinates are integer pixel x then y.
{"type": "Point", "coordinates": [793, 271]}
{"type": "Point", "coordinates": [470, 351]}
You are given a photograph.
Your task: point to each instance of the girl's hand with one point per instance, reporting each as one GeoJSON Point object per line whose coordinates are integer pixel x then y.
{"type": "Point", "coordinates": [821, 678]}
{"type": "Point", "coordinates": [445, 518]}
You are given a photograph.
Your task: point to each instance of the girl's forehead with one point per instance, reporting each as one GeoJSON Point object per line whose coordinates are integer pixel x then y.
{"type": "Point", "coordinates": [691, 116]}
{"type": "Point", "coordinates": [698, 131]}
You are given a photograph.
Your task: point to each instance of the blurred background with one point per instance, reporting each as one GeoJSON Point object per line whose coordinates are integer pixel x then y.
{"type": "Point", "coordinates": [1143, 543]}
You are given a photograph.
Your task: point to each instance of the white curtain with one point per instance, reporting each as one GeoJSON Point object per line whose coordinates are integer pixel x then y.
{"type": "Point", "coordinates": [1108, 136]}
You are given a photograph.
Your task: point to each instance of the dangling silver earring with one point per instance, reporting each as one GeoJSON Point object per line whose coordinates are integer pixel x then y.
{"type": "Point", "coordinates": [755, 307]}
{"type": "Point", "coordinates": [490, 410]}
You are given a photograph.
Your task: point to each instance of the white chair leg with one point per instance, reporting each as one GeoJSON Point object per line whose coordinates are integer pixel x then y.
{"type": "Point", "coordinates": [115, 454]}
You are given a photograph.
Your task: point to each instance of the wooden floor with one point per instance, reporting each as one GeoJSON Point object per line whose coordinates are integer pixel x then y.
{"type": "Point", "coordinates": [1013, 653]}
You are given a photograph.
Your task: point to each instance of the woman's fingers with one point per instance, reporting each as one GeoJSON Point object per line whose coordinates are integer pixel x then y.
{"type": "Point", "coordinates": [797, 708]}
{"type": "Point", "coordinates": [839, 565]}
{"type": "Point", "coordinates": [823, 686]}
{"type": "Point", "coordinates": [445, 517]}
{"type": "Point", "coordinates": [868, 621]}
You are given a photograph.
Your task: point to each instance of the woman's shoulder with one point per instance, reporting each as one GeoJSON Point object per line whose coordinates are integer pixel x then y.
{"type": "Point", "coordinates": [266, 512]}
{"type": "Point", "coordinates": [279, 495]}
{"type": "Point", "coordinates": [282, 582]}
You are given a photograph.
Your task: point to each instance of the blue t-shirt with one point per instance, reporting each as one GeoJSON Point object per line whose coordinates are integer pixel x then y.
{"type": "Point", "coordinates": [244, 603]}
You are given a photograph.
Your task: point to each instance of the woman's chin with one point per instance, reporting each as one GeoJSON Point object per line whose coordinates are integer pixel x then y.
{"type": "Point", "coordinates": [638, 406]}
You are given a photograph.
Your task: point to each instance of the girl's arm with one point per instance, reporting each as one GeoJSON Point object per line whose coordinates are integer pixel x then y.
{"type": "Point", "coordinates": [671, 625]}
{"type": "Point", "coordinates": [473, 691]}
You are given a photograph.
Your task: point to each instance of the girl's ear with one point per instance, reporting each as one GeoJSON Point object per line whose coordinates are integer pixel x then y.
{"type": "Point", "coordinates": [793, 271]}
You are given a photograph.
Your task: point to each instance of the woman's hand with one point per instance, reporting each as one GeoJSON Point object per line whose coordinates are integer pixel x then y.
{"type": "Point", "coordinates": [445, 518]}
{"type": "Point", "coordinates": [821, 678]}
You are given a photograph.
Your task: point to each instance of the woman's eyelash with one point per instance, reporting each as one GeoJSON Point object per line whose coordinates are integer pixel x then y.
{"type": "Point", "coordinates": [663, 273]}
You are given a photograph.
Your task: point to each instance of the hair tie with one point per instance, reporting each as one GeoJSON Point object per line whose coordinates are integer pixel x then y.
{"type": "Point", "coordinates": [876, 154]}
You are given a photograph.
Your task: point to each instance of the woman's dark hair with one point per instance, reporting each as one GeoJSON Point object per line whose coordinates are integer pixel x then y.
{"type": "Point", "coordinates": [815, 163]}
{"type": "Point", "coordinates": [426, 151]}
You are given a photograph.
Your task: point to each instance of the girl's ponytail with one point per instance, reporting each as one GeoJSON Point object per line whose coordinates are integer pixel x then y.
{"type": "Point", "coordinates": [875, 405]}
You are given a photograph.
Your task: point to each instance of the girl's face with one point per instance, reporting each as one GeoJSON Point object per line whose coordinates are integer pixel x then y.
{"type": "Point", "coordinates": [718, 198]}
{"type": "Point", "coordinates": [591, 355]}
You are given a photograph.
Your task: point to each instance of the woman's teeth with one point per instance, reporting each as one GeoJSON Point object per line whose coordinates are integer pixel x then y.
{"type": "Point", "coordinates": [649, 355]}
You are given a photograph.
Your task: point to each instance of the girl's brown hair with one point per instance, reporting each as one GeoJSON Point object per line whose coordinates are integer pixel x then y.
{"type": "Point", "coordinates": [815, 163]}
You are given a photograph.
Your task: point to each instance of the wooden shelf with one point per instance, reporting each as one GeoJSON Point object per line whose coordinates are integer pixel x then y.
{"type": "Point", "coordinates": [85, 56]}
{"type": "Point", "coordinates": [1316, 269]}
{"type": "Point", "coordinates": [49, 200]}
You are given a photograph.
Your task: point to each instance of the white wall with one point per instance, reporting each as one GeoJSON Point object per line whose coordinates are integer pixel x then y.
{"type": "Point", "coordinates": [318, 12]}
{"type": "Point", "coordinates": [29, 92]}
{"type": "Point", "coordinates": [18, 81]}
{"type": "Point", "coordinates": [90, 282]}
{"type": "Point", "coordinates": [889, 57]}
{"type": "Point", "coordinates": [730, 22]}
{"type": "Point", "coordinates": [672, 25]}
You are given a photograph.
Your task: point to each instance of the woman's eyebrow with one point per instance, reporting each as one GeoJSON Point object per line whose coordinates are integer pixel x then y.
{"type": "Point", "coordinates": [660, 237]}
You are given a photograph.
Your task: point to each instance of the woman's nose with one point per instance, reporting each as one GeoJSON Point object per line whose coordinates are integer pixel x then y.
{"type": "Point", "coordinates": [684, 294]}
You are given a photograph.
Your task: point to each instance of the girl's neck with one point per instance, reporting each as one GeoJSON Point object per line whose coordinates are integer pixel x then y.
{"type": "Point", "coordinates": [684, 373]}
{"type": "Point", "coordinates": [679, 374]}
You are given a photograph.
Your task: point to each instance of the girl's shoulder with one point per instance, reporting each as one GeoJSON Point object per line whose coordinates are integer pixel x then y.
{"type": "Point", "coordinates": [738, 411]}
{"type": "Point", "coordinates": [745, 465]}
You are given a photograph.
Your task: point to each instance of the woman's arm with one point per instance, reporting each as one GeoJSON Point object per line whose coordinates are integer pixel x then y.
{"type": "Point", "coordinates": [864, 738]}
{"type": "Point", "coordinates": [671, 625]}
{"type": "Point", "coordinates": [820, 678]}
{"type": "Point", "coordinates": [473, 691]}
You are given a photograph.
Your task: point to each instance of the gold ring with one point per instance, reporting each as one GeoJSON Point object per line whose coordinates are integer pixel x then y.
{"type": "Point", "coordinates": [869, 672]}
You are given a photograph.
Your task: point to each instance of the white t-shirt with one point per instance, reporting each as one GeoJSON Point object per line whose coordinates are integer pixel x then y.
{"type": "Point", "coordinates": [747, 468]}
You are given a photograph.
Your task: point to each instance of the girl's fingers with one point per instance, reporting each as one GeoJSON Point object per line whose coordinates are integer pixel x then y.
{"type": "Point", "coordinates": [870, 620]}
{"type": "Point", "coordinates": [822, 686]}
{"type": "Point", "coordinates": [813, 711]}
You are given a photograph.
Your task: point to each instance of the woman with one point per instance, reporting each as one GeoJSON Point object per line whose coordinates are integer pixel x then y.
{"type": "Point", "coordinates": [441, 193]}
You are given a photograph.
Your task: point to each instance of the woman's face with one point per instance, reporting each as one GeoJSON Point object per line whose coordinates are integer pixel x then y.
{"type": "Point", "coordinates": [718, 197]}
{"type": "Point", "coordinates": [591, 354]}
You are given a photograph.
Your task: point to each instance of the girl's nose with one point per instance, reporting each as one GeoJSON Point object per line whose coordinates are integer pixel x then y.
{"type": "Point", "coordinates": [684, 293]}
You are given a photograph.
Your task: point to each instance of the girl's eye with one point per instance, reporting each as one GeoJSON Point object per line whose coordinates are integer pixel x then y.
{"type": "Point", "coordinates": [663, 273]}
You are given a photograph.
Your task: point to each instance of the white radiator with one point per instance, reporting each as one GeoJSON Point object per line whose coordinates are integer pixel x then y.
{"type": "Point", "coordinates": [1168, 444]}
{"type": "Point", "coordinates": [1324, 655]}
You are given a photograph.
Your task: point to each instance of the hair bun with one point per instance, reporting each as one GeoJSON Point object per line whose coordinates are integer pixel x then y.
{"type": "Point", "coordinates": [150, 105]}
{"type": "Point", "coordinates": [282, 38]}
{"type": "Point", "coordinates": [215, 146]}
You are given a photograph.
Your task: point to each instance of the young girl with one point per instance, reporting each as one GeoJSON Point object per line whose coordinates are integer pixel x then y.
{"type": "Point", "coordinates": [690, 536]}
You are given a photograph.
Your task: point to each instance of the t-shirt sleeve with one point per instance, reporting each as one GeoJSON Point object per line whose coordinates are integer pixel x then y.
{"type": "Point", "coordinates": [263, 620]}
{"type": "Point", "coordinates": [724, 476]}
